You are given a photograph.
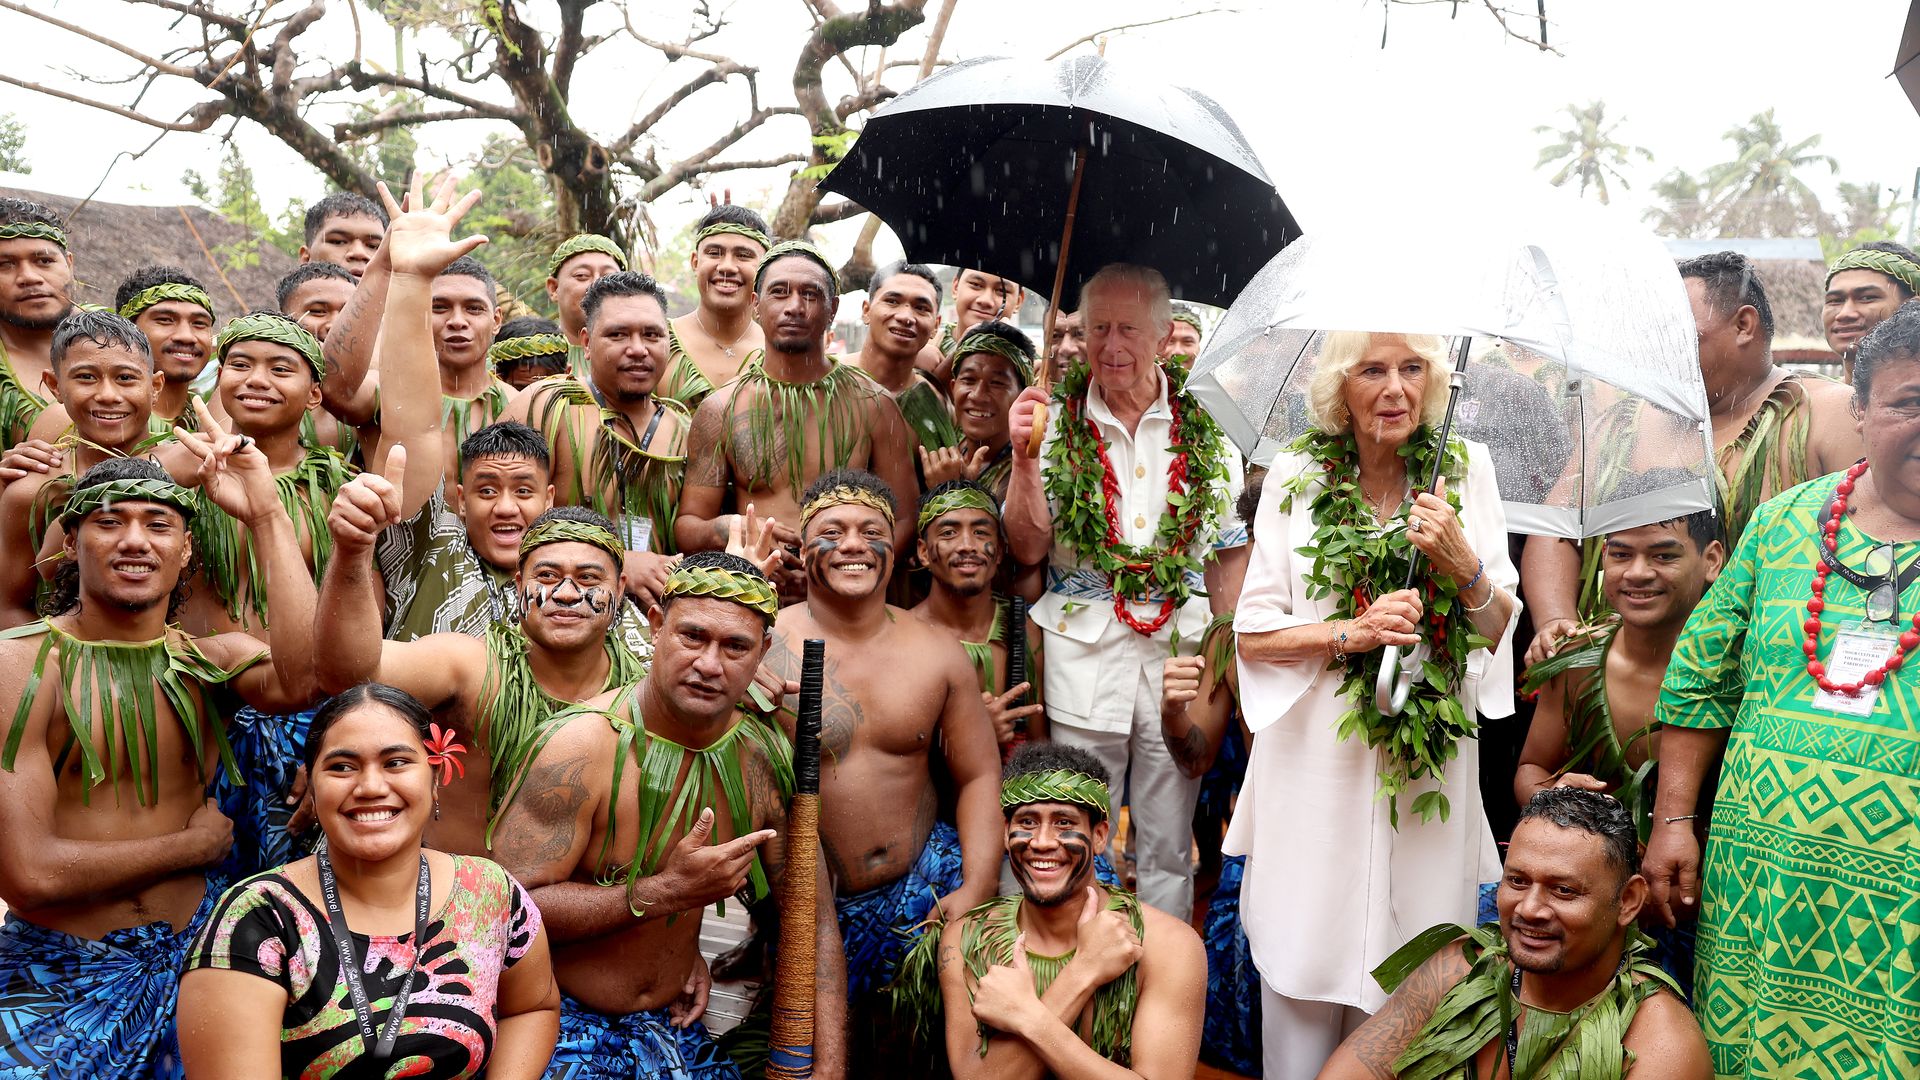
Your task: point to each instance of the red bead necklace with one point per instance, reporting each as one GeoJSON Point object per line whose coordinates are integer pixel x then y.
{"type": "Point", "coordinates": [1908, 641]}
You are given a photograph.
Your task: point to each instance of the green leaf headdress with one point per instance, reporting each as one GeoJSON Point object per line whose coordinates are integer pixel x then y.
{"type": "Point", "coordinates": [33, 230]}
{"type": "Point", "coordinates": [1054, 785]}
{"type": "Point", "coordinates": [736, 228]}
{"type": "Point", "coordinates": [526, 348]}
{"type": "Point", "coordinates": [163, 292]}
{"type": "Point", "coordinates": [958, 497]}
{"type": "Point", "coordinates": [840, 494]}
{"type": "Point", "coordinates": [796, 247]}
{"type": "Point", "coordinates": [277, 328]}
{"type": "Point", "coordinates": [580, 244]}
{"type": "Point", "coordinates": [562, 530]}
{"type": "Point", "coordinates": [978, 342]}
{"type": "Point", "coordinates": [720, 583]}
{"type": "Point", "coordinates": [1901, 269]}
{"type": "Point", "coordinates": [86, 500]}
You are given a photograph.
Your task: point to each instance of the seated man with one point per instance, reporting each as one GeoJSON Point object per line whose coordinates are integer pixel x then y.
{"type": "Point", "coordinates": [1066, 978]}
{"type": "Point", "coordinates": [1565, 945]}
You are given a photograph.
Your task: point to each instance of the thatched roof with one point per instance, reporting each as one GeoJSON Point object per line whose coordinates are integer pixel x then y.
{"type": "Point", "coordinates": [111, 240]}
{"type": "Point", "coordinates": [1795, 277]}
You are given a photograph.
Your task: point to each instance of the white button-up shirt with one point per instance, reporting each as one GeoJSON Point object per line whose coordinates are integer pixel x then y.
{"type": "Point", "coordinates": [1094, 661]}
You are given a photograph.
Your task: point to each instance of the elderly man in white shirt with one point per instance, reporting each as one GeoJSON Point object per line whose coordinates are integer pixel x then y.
{"type": "Point", "coordinates": [1112, 440]}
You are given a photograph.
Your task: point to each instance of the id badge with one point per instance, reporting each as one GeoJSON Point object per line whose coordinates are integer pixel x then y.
{"type": "Point", "coordinates": [639, 533]}
{"type": "Point", "coordinates": [1857, 650]}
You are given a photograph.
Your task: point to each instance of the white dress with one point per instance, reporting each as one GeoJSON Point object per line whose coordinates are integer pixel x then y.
{"type": "Point", "coordinates": [1331, 888]}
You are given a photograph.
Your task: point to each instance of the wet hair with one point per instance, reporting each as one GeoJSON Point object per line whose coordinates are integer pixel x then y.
{"type": "Point", "coordinates": [720, 560]}
{"type": "Point", "coordinates": [304, 273]}
{"type": "Point", "coordinates": [468, 266]}
{"type": "Point", "coordinates": [620, 283]}
{"type": "Point", "coordinates": [506, 439]}
{"type": "Point", "coordinates": [63, 593]}
{"type": "Point", "coordinates": [734, 215]}
{"type": "Point", "coordinates": [525, 326]}
{"type": "Point", "coordinates": [1041, 757]}
{"type": "Point", "coordinates": [1703, 527]}
{"type": "Point", "coordinates": [104, 329]}
{"type": "Point", "coordinates": [1248, 504]}
{"type": "Point", "coordinates": [19, 211]}
{"type": "Point", "coordinates": [341, 204]}
{"type": "Point", "coordinates": [573, 513]}
{"type": "Point", "coordinates": [357, 697]}
{"type": "Point", "coordinates": [859, 479]}
{"type": "Point", "coordinates": [1896, 339]}
{"type": "Point", "coordinates": [902, 266]}
{"type": "Point", "coordinates": [1590, 812]}
{"type": "Point", "coordinates": [146, 277]}
{"type": "Point", "coordinates": [1892, 248]}
{"type": "Point", "coordinates": [1731, 283]}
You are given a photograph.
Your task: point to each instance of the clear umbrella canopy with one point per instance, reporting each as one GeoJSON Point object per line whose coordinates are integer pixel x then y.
{"type": "Point", "coordinates": [1583, 379]}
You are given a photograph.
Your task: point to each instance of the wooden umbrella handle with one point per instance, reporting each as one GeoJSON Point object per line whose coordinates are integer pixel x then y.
{"type": "Point", "coordinates": [1039, 434]}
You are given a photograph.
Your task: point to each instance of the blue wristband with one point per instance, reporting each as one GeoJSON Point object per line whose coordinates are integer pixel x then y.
{"type": "Point", "coordinates": [1477, 575]}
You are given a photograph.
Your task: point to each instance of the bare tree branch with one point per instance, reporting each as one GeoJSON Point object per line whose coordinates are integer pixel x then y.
{"type": "Point", "coordinates": [1088, 38]}
{"type": "Point", "coordinates": [353, 130]}
{"type": "Point", "coordinates": [204, 14]}
{"type": "Point", "coordinates": [1500, 15]}
{"type": "Point", "coordinates": [695, 164]}
{"type": "Point", "coordinates": [828, 213]}
{"type": "Point", "coordinates": [151, 61]}
{"type": "Point", "coordinates": [763, 163]}
{"type": "Point", "coordinates": [720, 72]}
{"type": "Point", "coordinates": [197, 124]}
{"type": "Point", "coordinates": [361, 78]}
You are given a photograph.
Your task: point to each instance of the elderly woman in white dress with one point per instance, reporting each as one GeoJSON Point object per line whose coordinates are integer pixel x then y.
{"type": "Point", "coordinates": [1333, 884]}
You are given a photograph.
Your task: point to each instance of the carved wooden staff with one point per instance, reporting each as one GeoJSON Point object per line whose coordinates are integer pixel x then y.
{"type": "Point", "coordinates": [790, 1050]}
{"type": "Point", "coordinates": [1017, 662]}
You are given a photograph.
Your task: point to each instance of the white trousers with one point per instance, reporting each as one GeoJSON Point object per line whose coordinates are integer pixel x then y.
{"type": "Point", "coordinates": [1297, 1037]}
{"type": "Point", "coordinates": [1160, 796]}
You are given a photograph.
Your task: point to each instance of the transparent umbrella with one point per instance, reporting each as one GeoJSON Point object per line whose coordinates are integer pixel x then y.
{"type": "Point", "coordinates": [1576, 361]}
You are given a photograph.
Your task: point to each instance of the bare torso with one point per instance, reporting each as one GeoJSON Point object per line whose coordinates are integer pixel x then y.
{"type": "Point", "coordinates": [711, 356]}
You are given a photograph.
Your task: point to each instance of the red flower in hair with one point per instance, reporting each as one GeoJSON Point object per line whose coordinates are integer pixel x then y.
{"type": "Point", "coordinates": [444, 754]}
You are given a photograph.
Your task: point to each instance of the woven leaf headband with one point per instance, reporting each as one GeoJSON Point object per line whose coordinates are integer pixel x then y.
{"type": "Point", "coordinates": [269, 326]}
{"type": "Point", "coordinates": [720, 583]}
{"type": "Point", "coordinates": [33, 230]}
{"type": "Point", "coordinates": [526, 348]}
{"type": "Point", "coordinates": [563, 530]}
{"type": "Point", "coordinates": [1187, 317]}
{"type": "Point", "coordinates": [747, 231]}
{"type": "Point", "coordinates": [163, 292]}
{"type": "Point", "coordinates": [580, 244]}
{"type": "Point", "coordinates": [998, 346]}
{"type": "Point", "coordinates": [1058, 785]}
{"type": "Point", "coordinates": [957, 498]}
{"type": "Point", "coordinates": [842, 494]}
{"type": "Point", "coordinates": [795, 247]}
{"type": "Point", "coordinates": [1901, 270]}
{"type": "Point", "coordinates": [86, 500]}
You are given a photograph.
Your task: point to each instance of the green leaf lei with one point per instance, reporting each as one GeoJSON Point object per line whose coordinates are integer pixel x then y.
{"type": "Point", "coordinates": [1355, 561]}
{"type": "Point", "coordinates": [1085, 493]}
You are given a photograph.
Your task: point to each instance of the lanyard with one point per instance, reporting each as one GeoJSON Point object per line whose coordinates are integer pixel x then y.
{"type": "Point", "coordinates": [350, 961]}
{"type": "Point", "coordinates": [1513, 1032]}
{"type": "Point", "coordinates": [1883, 595]}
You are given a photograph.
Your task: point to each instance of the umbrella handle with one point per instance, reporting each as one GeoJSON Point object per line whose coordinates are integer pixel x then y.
{"type": "Point", "coordinates": [1039, 434]}
{"type": "Point", "coordinates": [1395, 681]}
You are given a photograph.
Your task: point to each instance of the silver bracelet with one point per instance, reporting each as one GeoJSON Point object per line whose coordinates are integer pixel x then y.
{"type": "Point", "coordinates": [1492, 591]}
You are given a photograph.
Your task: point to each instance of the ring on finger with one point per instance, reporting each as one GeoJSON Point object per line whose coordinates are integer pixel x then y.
{"type": "Point", "coordinates": [1413, 524]}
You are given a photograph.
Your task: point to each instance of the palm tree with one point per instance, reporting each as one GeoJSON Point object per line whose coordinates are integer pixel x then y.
{"type": "Point", "coordinates": [1682, 212]}
{"type": "Point", "coordinates": [1758, 193]}
{"type": "Point", "coordinates": [1588, 147]}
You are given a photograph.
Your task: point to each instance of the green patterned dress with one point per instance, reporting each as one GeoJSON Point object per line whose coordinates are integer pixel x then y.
{"type": "Point", "coordinates": [1809, 959]}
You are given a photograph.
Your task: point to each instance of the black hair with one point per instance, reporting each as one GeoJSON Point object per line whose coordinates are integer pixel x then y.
{"type": "Point", "coordinates": [468, 266]}
{"type": "Point", "coordinates": [508, 438]}
{"type": "Point", "coordinates": [1043, 757]}
{"type": "Point", "coordinates": [63, 593]}
{"type": "Point", "coordinates": [525, 326]}
{"type": "Point", "coordinates": [902, 266]}
{"type": "Point", "coordinates": [342, 204]}
{"type": "Point", "coordinates": [620, 283]}
{"type": "Point", "coordinates": [1892, 248]}
{"type": "Point", "coordinates": [1703, 527]}
{"type": "Point", "coordinates": [1731, 284]}
{"type": "Point", "coordinates": [859, 479]}
{"type": "Point", "coordinates": [21, 211]}
{"type": "Point", "coordinates": [957, 484]}
{"type": "Point", "coordinates": [358, 696]}
{"type": "Point", "coordinates": [104, 329]}
{"type": "Point", "coordinates": [304, 273]}
{"type": "Point", "coordinates": [573, 513]}
{"type": "Point", "coordinates": [1007, 332]}
{"type": "Point", "coordinates": [146, 277]}
{"type": "Point", "coordinates": [818, 261]}
{"type": "Point", "coordinates": [1248, 504]}
{"type": "Point", "coordinates": [734, 215]}
{"type": "Point", "coordinates": [1590, 812]}
{"type": "Point", "coordinates": [721, 560]}
{"type": "Point", "coordinates": [1897, 338]}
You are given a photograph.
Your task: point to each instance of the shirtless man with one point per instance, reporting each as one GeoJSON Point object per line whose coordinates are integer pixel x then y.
{"type": "Point", "coordinates": [881, 722]}
{"type": "Point", "coordinates": [345, 229]}
{"type": "Point", "coordinates": [793, 414]}
{"type": "Point", "coordinates": [1040, 973]}
{"type": "Point", "coordinates": [558, 648]}
{"type": "Point", "coordinates": [576, 264]}
{"type": "Point", "coordinates": [961, 546]}
{"type": "Point", "coordinates": [1068, 344]}
{"type": "Point", "coordinates": [314, 296]}
{"type": "Point", "coordinates": [977, 297]}
{"type": "Point", "coordinates": [901, 310]}
{"type": "Point", "coordinates": [105, 860]}
{"type": "Point", "coordinates": [1568, 901]}
{"type": "Point", "coordinates": [103, 378]}
{"type": "Point", "coordinates": [1813, 434]}
{"type": "Point", "coordinates": [1864, 286]}
{"type": "Point", "coordinates": [713, 341]}
{"type": "Point", "coordinates": [36, 274]}
{"type": "Point", "coordinates": [173, 309]}
{"type": "Point", "coordinates": [622, 894]}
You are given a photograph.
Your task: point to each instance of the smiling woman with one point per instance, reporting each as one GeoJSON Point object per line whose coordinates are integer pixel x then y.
{"type": "Point", "coordinates": [442, 957]}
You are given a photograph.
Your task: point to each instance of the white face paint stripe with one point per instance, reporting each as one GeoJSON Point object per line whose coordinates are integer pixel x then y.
{"type": "Point", "coordinates": [596, 598]}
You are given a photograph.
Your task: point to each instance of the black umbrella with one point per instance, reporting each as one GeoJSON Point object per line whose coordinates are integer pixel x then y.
{"type": "Point", "coordinates": [984, 165]}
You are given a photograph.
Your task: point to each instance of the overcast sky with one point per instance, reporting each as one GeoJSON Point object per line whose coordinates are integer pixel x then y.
{"type": "Point", "coordinates": [1336, 118]}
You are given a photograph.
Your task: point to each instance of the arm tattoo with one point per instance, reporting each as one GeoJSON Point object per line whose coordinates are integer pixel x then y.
{"type": "Point", "coordinates": [1383, 1038]}
{"type": "Point", "coordinates": [706, 456]}
{"type": "Point", "coordinates": [1189, 749]}
{"type": "Point", "coordinates": [543, 831]}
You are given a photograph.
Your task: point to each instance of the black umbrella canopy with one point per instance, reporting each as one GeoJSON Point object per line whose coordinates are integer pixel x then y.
{"type": "Point", "coordinates": [972, 168]}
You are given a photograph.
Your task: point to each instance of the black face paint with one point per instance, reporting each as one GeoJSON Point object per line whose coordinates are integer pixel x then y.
{"type": "Point", "coordinates": [818, 550]}
{"type": "Point", "coordinates": [592, 597]}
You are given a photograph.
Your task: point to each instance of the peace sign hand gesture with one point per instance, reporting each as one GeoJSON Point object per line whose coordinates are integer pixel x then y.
{"type": "Point", "coordinates": [234, 474]}
{"type": "Point", "coordinates": [419, 240]}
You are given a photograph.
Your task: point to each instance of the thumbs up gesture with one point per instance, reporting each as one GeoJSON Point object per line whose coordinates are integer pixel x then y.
{"type": "Point", "coordinates": [1107, 945]}
{"type": "Point", "coordinates": [369, 503]}
{"type": "Point", "coordinates": [1004, 999]}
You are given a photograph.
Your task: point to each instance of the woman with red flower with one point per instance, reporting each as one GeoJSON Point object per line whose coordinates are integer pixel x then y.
{"type": "Point", "coordinates": [374, 957]}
